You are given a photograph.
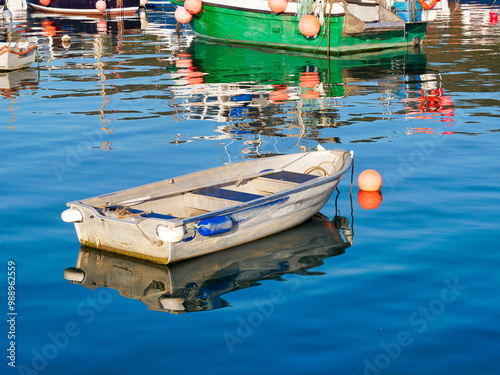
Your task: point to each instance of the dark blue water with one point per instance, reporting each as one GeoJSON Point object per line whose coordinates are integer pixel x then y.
{"type": "Point", "coordinates": [127, 103]}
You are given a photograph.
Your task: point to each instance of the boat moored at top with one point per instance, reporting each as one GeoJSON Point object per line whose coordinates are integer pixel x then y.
{"type": "Point", "coordinates": [87, 7]}
{"type": "Point", "coordinates": [338, 27]}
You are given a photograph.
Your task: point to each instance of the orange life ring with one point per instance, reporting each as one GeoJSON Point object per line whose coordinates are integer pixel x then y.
{"type": "Point", "coordinates": [428, 6]}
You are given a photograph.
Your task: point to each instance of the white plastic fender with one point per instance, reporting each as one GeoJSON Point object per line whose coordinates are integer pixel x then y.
{"type": "Point", "coordinates": [73, 274]}
{"type": "Point", "coordinates": [172, 304]}
{"type": "Point", "coordinates": [170, 235]}
{"type": "Point", "coordinates": [72, 215]}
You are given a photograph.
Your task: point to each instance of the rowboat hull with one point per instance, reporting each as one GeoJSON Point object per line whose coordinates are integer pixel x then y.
{"type": "Point", "coordinates": [343, 34]}
{"type": "Point", "coordinates": [193, 216]}
{"type": "Point", "coordinates": [19, 55]}
{"type": "Point", "coordinates": [86, 7]}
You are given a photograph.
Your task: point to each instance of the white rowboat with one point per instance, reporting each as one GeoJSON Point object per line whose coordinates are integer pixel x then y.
{"type": "Point", "coordinates": [211, 210]}
{"type": "Point", "coordinates": [17, 55]}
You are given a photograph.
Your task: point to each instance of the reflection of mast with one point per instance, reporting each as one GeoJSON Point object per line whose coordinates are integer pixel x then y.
{"type": "Point", "coordinates": [100, 66]}
{"type": "Point", "coordinates": [11, 110]}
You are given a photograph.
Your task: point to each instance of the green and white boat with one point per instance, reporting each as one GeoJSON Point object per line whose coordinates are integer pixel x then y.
{"type": "Point", "coordinates": [347, 26]}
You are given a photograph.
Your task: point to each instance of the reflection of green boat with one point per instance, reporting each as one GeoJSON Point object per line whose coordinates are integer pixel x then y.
{"type": "Point", "coordinates": [348, 26]}
{"type": "Point", "coordinates": [197, 284]}
{"type": "Point", "coordinates": [232, 82]}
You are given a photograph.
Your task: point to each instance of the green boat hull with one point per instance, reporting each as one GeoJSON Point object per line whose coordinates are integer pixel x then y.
{"type": "Point", "coordinates": [267, 29]}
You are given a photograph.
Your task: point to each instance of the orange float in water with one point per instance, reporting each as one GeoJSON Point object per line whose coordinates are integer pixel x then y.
{"type": "Point", "coordinates": [182, 15]}
{"type": "Point", "coordinates": [370, 180]}
{"type": "Point", "coordinates": [309, 25]}
{"type": "Point", "coordinates": [100, 5]}
{"type": "Point", "coordinates": [184, 63]}
{"type": "Point", "coordinates": [277, 6]}
{"type": "Point", "coordinates": [309, 79]}
{"type": "Point", "coordinates": [369, 199]}
{"type": "Point", "coordinates": [45, 3]}
{"type": "Point", "coordinates": [193, 6]}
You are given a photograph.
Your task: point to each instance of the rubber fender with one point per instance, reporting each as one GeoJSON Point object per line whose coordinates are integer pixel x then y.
{"type": "Point", "coordinates": [215, 225]}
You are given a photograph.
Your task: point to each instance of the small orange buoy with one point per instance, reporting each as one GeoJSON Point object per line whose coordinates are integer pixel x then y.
{"type": "Point", "coordinates": [182, 15]}
{"type": "Point", "coordinates": [193, 6]}
{"type": "Point", "coordinates": [184, 63]}
{"type": "Point", "coordinates": [370, 180]}
{"type": "Point", "coordinates": [45, 3]}
{"type": "Point", "coordinates": [369, 199]}
{"type": "Point", "coordinates": [277, 6]}
{"type": "Point", "coordinates": [100, 5]}
{"type": "Point", "coordinates": [309, 25]}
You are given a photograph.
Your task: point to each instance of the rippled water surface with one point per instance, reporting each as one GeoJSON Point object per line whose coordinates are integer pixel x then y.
{"type": "Point", "coordinates": [127, 102]}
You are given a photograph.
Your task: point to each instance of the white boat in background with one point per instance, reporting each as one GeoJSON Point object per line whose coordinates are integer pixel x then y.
{"type": "Point", "coordinates": [17, 55]}
{"type": "Point", "coordinates": [211, 210]}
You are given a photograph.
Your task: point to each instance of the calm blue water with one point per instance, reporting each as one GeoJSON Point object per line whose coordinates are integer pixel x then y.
{"type": "Point", "coordinates": [127, 103]}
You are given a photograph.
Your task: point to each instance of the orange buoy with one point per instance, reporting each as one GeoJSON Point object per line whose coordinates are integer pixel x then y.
{"type": "Point", "coordinates": [309, 79]}
{"type": "Point", "coordinates": [369, 199]}
{"type": "Point", "coordinates": [311, 95]}
{"type": "Point", "coordinates": [45, 3]}
{"type": "Point", "coordinates": [193, 6]}
{"type": "Point", "coordinates": [309, 25]}
{"type": "Point", "coordinates": [277, 6]}
{"type": "Point", "coordinates": [182, 15]}
{"type": "Point", "coordinates": [184, 63]}
{"type": "Point", "coordinates": [370, 180]}
{"type": "Point", "coordinates": [100, 5]}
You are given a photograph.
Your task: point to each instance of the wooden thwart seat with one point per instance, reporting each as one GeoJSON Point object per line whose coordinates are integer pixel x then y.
{"type": "Point", "coordinates": [282, 180]}
{"type": "Point", "coordinates": [215, 198]}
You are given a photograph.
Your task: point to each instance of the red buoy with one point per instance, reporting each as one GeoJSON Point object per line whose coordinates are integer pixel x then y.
{"type": "Point", "coordinates": [309, 25]}
{"type": "Point", "coordinates": [370, 180]}
{"type": "Point", "coordinates": [45, 3]}
{"type": "Point", "coordinates": [277, 6]}
{"type": "Point", "coordinates": [182, 15]}
{"type": "Point", "coordinates": [493, 18]}
{"type": "Point", "coordinates": [193, 6]}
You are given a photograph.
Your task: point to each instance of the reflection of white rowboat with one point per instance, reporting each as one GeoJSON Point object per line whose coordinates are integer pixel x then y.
{"type": "Point", "coordinates": [198, 284]}
{"type": "Point", "coordinates": [211, 210]}
{"type": "Point", "coordinates": [17, 55]}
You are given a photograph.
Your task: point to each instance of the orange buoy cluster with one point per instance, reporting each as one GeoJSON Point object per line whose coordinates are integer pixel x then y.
{"type": "Point", "coordinates": [309, 25]}
{"type": "Point", "coordinates": [185, 14]}
{"type": "Point", "coordinates": [277, 6]}
{"type": "Point", "coordinates": [369, 183]}
{"type": "Point", "coordinates": [100, 5]}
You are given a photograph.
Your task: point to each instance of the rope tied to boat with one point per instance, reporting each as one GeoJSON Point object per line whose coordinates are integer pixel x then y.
{"type": "Point", "coordinates": [121, 212]}
{"type": "Point", "coordinates": [326, 30]}
{"type": "Point", "coordinates": [5, 49]}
